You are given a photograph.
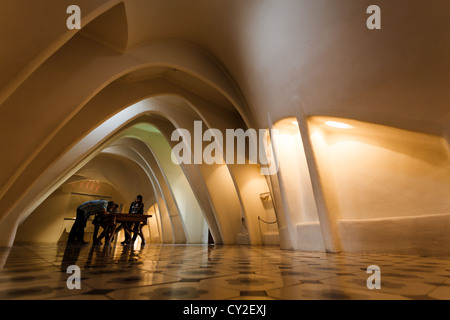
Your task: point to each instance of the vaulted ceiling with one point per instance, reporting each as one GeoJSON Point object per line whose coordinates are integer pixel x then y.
{"type": "Point", "coordinates": [315, 53]}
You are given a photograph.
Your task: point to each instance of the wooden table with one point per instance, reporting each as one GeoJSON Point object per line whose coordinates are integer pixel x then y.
{"type": "Point", "coordinates": [111, 221]}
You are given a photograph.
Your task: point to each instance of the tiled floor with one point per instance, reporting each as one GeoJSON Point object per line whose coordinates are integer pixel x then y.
{"type": "Point", "coordinates": [161, 272]}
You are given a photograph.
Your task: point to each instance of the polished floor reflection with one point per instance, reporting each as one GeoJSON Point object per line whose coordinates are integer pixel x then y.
{"type": "Point", "coordinates": [161, 272]}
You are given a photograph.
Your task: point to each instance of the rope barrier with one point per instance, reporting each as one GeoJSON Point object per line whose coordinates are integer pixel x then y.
{"type": "Point", "coordinates": [259, 218]}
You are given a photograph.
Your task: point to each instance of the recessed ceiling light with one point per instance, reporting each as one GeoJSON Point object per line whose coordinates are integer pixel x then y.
{"type": "Point", "coordinates": [339, 125]}
{"type": "Point", "coordinates": [295, 123]}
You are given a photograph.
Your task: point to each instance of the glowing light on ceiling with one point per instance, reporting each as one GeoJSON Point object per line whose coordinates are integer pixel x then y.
{"type": "Point", "coordinates": [339, 125]}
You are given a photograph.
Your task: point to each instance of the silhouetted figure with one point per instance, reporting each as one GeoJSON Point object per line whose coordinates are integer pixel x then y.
{"type": "Point", "coordinates": [136, 207]}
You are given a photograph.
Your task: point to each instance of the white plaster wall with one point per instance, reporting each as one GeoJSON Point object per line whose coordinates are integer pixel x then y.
{"type": "Point", "coordinates": [309, 236]}
{"type": "Point", "coordinates": [419, 235]}
{"type": "Point", "coordinates": [47, 225]}
{"type": "Point", "coordinates": [378, 172]}
{"type": "Point", "coordinates": [387, 188]}
{"type": "Point", "coordinates": [300, 209]}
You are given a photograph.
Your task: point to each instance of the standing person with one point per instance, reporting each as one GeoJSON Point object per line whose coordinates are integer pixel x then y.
{"type": "Point", "coordinates": [84, 211]}
{"type": "Point", "coordinates": [136, 207]}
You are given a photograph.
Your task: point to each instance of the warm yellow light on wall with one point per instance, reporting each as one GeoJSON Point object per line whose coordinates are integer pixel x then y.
{"type": "Point", "coordinates": [339, 125]}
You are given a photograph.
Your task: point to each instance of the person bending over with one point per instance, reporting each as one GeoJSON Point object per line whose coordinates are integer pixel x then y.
{"type": "Point", "coordinates": [84, 211]}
